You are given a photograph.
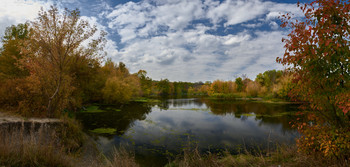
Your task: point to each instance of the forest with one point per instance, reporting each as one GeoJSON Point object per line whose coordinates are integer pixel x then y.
{"type": "Point", "coordinates": [56, 65]}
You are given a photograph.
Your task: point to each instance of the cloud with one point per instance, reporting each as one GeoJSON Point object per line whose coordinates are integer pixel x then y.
{"type": "Point", "coordinates": [18, 11]}
{"type": "Point", "coordinates": [193, 40]}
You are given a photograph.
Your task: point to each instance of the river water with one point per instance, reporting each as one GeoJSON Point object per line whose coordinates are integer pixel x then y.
{"type": "Point", "coordinates": [157, 132]}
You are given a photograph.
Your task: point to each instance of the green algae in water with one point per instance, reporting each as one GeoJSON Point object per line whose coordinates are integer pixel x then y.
{"type": "Point", "coordinates": [96, 109]}
{"type": "Point", "coordinates": [111, 109]}
{"type": "Point", "coordinates": [92, 109]}
{"type": "Point", "coordinates": [147, 100]}
{"type": "Point", "coordinates": [267, 115]}
{"type": "Point", "coordinates": [248, 114]}
{"type": "Point", "coordinates": [104, 131]}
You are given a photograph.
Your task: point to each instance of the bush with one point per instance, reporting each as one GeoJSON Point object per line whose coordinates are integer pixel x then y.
{"type": "Point", "coordinates": [332, 143]}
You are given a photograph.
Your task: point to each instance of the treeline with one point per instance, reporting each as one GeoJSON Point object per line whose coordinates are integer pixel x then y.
{"type": "Point", "coordinates": [270, 84]}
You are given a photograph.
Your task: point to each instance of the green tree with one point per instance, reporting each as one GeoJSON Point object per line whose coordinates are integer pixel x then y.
{"type": "Point", "coordinates": [146, 82]}
{"type": "Point", "coordinates": [239, 84]}
{"type": "Point", "coordinates": [164, 87]}
{"type": "Point", "coordinates": [268, 78]}
{"type": "Point", "coordinates": [10, 53]}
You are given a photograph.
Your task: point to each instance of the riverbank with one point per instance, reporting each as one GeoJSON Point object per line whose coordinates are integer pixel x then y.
{"type": "Point", "coordinates": [283, 156]}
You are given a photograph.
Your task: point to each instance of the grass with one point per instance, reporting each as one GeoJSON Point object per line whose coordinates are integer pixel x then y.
{"type": "Point", "coordinates": [47, 146]}
{"type": "Point", "coordinates": [122, 158]}
{"type": "Point", "coordinates": [283, 156]}
{"type": "Point", "coordinates": [35, 149]}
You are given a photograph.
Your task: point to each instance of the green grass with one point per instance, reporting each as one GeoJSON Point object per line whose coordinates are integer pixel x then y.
{"type": "Point", "coordinates": [110, 131]}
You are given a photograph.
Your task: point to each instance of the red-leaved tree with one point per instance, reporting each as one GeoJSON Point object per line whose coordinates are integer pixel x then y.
{"type": "Point", "coordinates": [318, 51]}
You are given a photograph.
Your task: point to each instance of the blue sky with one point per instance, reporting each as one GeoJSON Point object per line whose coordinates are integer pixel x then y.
{"type": "Point", "coordinates": [182, 40]}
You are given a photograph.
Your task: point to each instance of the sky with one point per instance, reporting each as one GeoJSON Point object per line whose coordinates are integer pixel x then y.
{"type": "Point", "coordinates": [181, 40]}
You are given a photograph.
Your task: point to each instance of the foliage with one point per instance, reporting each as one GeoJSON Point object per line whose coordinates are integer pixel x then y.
{"type": "Point", "coordinates": [331, 142]}
{"type": "Point", "coordinates": [253, 89]}
{"type": "Point", "coordinates": [118, 90]}
{"type": "Point", "coordinates": [223, 87]}
{"type": "Point", "coordinates": [11, 53]}
{"type": "Point", "coordinates": [164, 87]}
{"type": "Point", "coordinates": [120, 86]}
{"type": "Point", "coordinates": [268, 78]}
{"type": "Point", "coordinates": [284, 86]}
{"type": "Point", "coordinates": [239, 83]}
{"type": "Point", "coordinates": [146, 82]}
{"type": "Point", "coordinates": [317, 50]}
{"type": "Point", "coordinates": [45, 61]}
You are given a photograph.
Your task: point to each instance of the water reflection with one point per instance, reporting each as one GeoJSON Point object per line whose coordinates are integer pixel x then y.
{"type": "Point", "coordinates": [212, 125]}
{"type": "Point", "coordinates": [121, 119]}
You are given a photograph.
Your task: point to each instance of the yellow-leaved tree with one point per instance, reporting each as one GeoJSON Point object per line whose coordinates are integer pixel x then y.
{"type": "Point", "coordinates": [56, 39]}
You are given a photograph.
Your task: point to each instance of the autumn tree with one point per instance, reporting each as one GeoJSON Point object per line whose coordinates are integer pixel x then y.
{"type": "Point", "coordinates": [252, 89]}
{"type": "Point", "coordinates": [57, 38]}
{"type": "Point", "coordinates": [120, 86]}
{"type": "Point", "coordinates": [318, 51]}
{"type": "Point", "coordinates": [12, 75]}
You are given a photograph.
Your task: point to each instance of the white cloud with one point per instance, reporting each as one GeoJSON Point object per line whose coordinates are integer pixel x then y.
{"type": "Point", "coordinates": [170, 39]}
{"type": "Point", "coordinates": [18, 11]}
{"type": "Point", "coordinates": [237, 11]}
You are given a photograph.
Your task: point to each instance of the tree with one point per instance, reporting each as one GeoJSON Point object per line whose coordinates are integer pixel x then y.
{"type": "Point", "coordinates": [239, 84]}
{"type": "Point", "coordinates": [11, 73]}
{"type": "Point", "coordinates": [10, 53]}
{"type": "Point", "coordinates": [120, 90]}
{"type": "Point", "coordinates": [268, 78]}
{"type": "Point", "coordinates": [120, 86]}
{"type": "Point", "coordinates": [164, 87]}
{"type": "Point", "coordinates": [145, 81]}
{"type": "Point", "coordinates": [318, 51]}
{"type": "Point", "coordinates": [57, 38]}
